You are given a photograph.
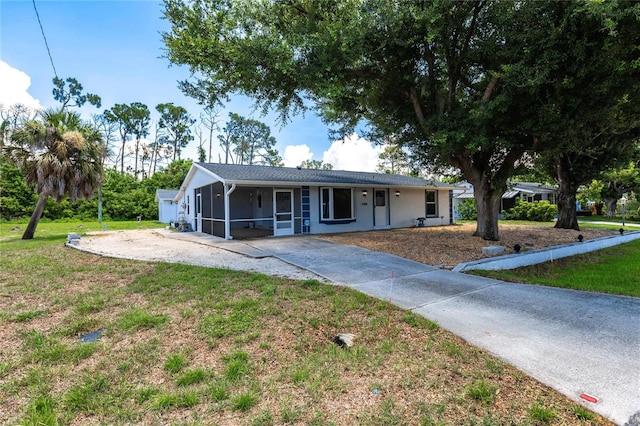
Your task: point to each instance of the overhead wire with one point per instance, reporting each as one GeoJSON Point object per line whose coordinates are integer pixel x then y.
{"type": "Point", "coordinates": [45, 38]}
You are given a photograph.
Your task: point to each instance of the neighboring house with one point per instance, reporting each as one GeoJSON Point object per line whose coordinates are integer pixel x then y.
{"type": "Point", "coordinates": [167, 207]}
{"type": "Point", "coordinates": [223, 199]}
{"type": "Point", "coordinates": [524, 191]}
{"type": "Point", "coordinates": [528, 191]}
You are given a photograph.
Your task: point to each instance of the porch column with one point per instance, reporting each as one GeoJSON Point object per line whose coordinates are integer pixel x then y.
{"type": "Point", "coordinates": [227, 219]}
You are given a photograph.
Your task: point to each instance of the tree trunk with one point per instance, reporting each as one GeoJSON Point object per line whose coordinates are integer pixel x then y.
{"type": "Point", "coordinates": [488, 206]}
{"type": "Point", "coordinates": [568, 188]}
{"type": "Point", "coordinates": [135, 168]}
{"type": "Point", "coordinates": [124, 144]}
{"type": "Point", "coordinates": [35, 217]}
{"type": "Point", "coordinates": [612, 204]}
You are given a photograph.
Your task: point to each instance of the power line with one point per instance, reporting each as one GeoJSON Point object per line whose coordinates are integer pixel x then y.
{"type": "Point", "coordinates": [45, 38]}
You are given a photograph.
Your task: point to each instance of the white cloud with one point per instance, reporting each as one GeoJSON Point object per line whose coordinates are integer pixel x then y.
{"type": "Point", "coordinates": [353, 153]}
{"type": "Point", "coordinates": [13, 87]}
{"type": "Point", "coordinates": [294, 155]}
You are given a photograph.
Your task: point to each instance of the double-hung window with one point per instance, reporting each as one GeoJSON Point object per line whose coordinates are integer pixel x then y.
{"type": "Point", "coordinates": [431, 203]}
{"type": "Point", "coordinates": [337, 204]}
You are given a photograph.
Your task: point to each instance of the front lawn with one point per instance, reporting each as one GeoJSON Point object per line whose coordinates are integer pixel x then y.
{"type": "Point", "coordinates": [48, 230]}
{"type": "Point", "coordinates": [615, 270]}
{"type": "Point", "coordinates": [192, 345]}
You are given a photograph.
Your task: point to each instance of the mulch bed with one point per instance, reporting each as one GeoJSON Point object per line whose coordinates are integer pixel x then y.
{"type": "Point", "coordinates": [447, 246]}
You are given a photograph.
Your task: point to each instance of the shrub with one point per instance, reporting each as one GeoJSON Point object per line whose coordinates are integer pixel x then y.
{"type": "Point", "coordinates": [538, 211]}
{"type": "Point", "coordinates": [467, 209]}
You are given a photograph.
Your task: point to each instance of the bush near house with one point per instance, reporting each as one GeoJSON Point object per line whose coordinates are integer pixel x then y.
{"type": "Point", "coordinates": [467, 209]}
{"type": "Point", "coordinates": [538, 211]}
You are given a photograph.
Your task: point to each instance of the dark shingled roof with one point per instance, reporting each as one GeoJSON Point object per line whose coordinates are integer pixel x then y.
{"type": "Point", "coordinates": [233, 173]}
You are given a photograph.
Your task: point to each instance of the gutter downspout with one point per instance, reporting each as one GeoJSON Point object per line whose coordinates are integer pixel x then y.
{"type": "Point", "coordinates": [227, 223]}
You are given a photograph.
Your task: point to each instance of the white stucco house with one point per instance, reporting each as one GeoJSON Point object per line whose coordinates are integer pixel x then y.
{"type": "Point", "coordinates": [167, 207]}
{"type": "Point", "coordinates": [222, 199]}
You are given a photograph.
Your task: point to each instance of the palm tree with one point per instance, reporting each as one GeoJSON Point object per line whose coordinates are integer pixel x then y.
{"type": "Point", "coordinates": [60, 155]}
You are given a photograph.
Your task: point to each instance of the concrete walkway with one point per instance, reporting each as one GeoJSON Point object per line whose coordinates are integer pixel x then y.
{"type": "Point", "coordinates": [576, 342]}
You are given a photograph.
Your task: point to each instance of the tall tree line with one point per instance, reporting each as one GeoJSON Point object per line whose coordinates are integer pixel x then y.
{"type": "Point", "coordinates": [133, 121]}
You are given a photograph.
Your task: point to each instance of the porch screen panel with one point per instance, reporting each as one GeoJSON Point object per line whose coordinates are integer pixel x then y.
{"type": "Point", "coordinates": [207, 203]}
{"type": "Point", "coordinates": [207, 210]}
{"type": "Point", "coordinates": [218, 229]}
{"type": "Point", "coordinates": [218, 200]}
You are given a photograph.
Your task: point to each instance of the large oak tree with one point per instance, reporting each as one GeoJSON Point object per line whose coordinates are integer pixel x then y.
{"type": "Point", "coordinates": [443, 78]}
{"type": "Point", "coordinates": [582, 63]}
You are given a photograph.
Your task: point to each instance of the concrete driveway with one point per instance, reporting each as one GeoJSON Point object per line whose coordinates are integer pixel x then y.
{"type": "Point", "coordinates": [576, 342]}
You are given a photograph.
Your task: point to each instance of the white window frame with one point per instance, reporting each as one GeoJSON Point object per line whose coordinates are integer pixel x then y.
{"type": "Point", "coordinates": [432, 203]}
{"type": "Point", "coordinates": [330, 201]}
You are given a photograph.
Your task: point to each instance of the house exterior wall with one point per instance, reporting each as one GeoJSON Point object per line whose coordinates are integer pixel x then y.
{"type": "Point", "coordinates": [167, 211]}
{"type": "Point", "coordinates": [363, 213]}
{"type": "Point", "coordinates": [199, 179]}
{"type": "Point", "coordinates": [402, 210]}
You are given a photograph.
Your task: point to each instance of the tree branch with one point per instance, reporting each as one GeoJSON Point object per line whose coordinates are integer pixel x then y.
{"type": "Point", "coordinates": [412, 94]}
{"type": "Point", "coordinates": [489, 90]}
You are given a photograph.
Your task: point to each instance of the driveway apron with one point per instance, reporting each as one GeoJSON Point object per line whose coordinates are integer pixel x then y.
{"type": "Point", "coordinates": [576, 342]}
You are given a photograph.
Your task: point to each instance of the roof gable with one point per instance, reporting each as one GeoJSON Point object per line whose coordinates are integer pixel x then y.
{"type": "Point", "coordinates": [165, 194]}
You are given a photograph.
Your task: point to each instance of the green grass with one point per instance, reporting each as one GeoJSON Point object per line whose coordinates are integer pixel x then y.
{"type": "Point", "coordinates": [618, 219]}
{"type": "Point", "coordinates": [244, 401]}
{"type": "Point", "coordinates": [139, 319]}
{"type": "Point", "coordinates": [193, 345]}
{"type": "Point", "coordinates": [175, 363]}
{"type": "Point", "coordinates": [541, 415]}
{"type": "Point", "coordinates": [77, 226]}
{"type": "Point", "coordinates": [613, 270]}
{"type": "Point", "coordinates": [191, 377]}
{"type": "Point", "coordinates": [165, 401]}
{"type": "Point", "coordinates": [482, 391]}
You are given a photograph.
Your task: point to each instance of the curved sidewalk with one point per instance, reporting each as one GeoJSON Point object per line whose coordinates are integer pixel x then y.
{"type": "Point", "coordinates": [576, 342]}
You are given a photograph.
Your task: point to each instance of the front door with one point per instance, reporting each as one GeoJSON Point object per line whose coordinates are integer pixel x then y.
{"type": "Point", "coordinates": [283, 212]}
{"type": "Point", "coordinates": [381, 208]}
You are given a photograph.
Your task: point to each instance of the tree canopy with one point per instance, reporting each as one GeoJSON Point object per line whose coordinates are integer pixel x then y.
{"type": "Point", "coordinates": [175, 127]}
{"type": "Point", "coordinates": [447, 79]}
{"type": "Point", "coordinates": [422, 72]}
{"type": "Point", "coordinates": [73, 95]}
{"type": "Point", "coordinates": [248, 141]}
{"type": "Point", "coordinates": [584, 70]}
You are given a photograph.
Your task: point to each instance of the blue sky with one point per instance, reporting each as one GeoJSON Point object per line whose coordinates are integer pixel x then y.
{"type": "Point", "coordinates": [114, 49]}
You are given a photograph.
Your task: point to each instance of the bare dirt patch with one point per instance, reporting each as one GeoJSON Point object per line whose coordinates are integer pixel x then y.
{"type": "Point", "coordinates": [447, 246]}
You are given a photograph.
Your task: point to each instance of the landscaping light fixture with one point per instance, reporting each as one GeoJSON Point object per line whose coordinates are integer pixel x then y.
{"type": "Point", "coordinates": [364, 192]}
{"type": "Point", "coordinates": [621, 231]}
{"type": "Point", "coordinates": [397, 193]}
{"type": "Point", "coordinates": [580, 238]}
{"type": "Point", "coordinates": [517, 248]}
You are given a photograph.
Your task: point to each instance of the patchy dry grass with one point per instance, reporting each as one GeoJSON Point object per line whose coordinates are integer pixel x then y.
{"type": "Point", "coordinates": [184, 344]}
